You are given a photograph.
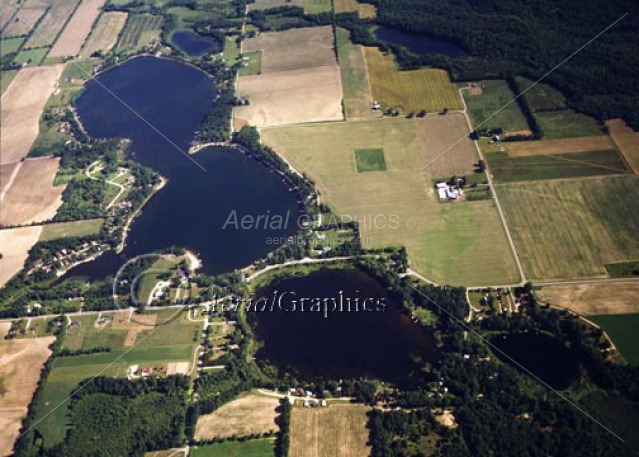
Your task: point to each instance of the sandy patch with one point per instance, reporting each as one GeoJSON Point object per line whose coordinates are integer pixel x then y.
{"type": "Point", "coordinates": [22, 105]}
{"type": "Point", "coordinates": [14, 247]}
{"type": "Point", "coordinates": [4, 328]}
{"type": "Point", "coordinates": [21, 363]}
{"type": "Point", "coordinates": [72, 37]}
{"type": "Point", "coordinates": [26, 203]}
{"type": "Point", "coordinates": [593, 299]}
{"type": "Point", "coordinates": [559, 146]}
{"type": "Point", "coordinates": [293, 49]}
{"type": "Point", "coordinates": [244, 416]}
{"type": "Point", "coordinates": [627, 140]}
{"type": "Point", "coordinates": [291, 97]}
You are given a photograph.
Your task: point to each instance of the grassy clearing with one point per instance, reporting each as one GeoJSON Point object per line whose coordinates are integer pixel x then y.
{"type": "Point", "coordinates": [339, 430]}
{"type": "Point", "coordinates": [71, 229]}
{"type": "Point", "coordinates": [444, 242]}
{"type": "Point", "coordinates": [253, 448]}
{"type": "Point", "coordinates": [140, 30]}
{"type": "Point", "coordinates": [31, 57]}
{"type": "Point", "coordinates": [572, 228]}
{"type": "Point", "coordinates": [494, 97]}
{"type": "Point", "coordinates": [566, 123]}
{"type": "Point", "coordinates": [622, 328]}
{"type": "Point", "coordinates": [571, 165]}
{"type": "Point", "coordinates": [5, 79]}
{"type": "Point", "coordinates": [370, 160]}
{"type": "Point", "coordinates": [357, 95]}
{"type": "Point", "coordinates": [231, 49]}
{"type": "Point", "coordinates": [253, 66]}
{"type": "Point", "coordinates": [10, 46]}
{"type": "Point", "coordinates": [429, 89]}
{"type": "Point", "coordinates": [317, 6]}
{"type": "Point", "coordinates": [542, 97]}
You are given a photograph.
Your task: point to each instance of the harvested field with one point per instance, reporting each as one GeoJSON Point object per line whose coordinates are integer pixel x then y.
{"type": "Point", "coordinates": [581, 226]}
{"type": "Point", "coordinates": [290, 97]}
{"type": "Point", "coordinates": [627, 140]}
{"type": "Point", "coordinates": [266, 4]}
{"type": "Point", "coordinates": [5, 79]}
{"type": "Point", "coordinates": [71, 229]}
{"type": "Point", "coordinates": [51, 25]}
{"type": "Point", "coordinates": [559, 146]}
{"type": "Point", "coordinates": [594, 298]}
{"type": "Point", "coordinates": [23, 21]}
{"type": "Point", "coordinates": [105, 34]}
{"type": "Point", "coordinates": [433, 232]}
{"type": "Point", "coordinates": [9, 8]}
{"type": "Point", "coordinates": [248, 414]}
{"type": "Point", "coordinates": [22, 105]}
{"type": "Point", "coordinates": [7, 175]}
{"type": "Point", "coordinates": [293, 49]}
{"type": "Point", "coordinates": [364, 10]}
{"type": "Point", "coordinates": [336, 431]}
{"type": "Point", "coordinates": [358, 100]}
{"type": "Point", "coordinates": [77, 29]}
{"type": "Point", "coordinates": [427, 89]}
{"type": "Point", "coordinates": [26, 203]}
{"type": "Point", "coordinates": [178, 368]}
{"type": "Point", "coordinates": [15, 244]}
{"type": "Point", "coordinates": [21, 363]}
{"type": "Point", "coordinates": [141, 30]}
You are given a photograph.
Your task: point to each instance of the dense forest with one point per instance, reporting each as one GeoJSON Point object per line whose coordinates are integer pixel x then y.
{"type": "Point", "coordinates": [530, 38]}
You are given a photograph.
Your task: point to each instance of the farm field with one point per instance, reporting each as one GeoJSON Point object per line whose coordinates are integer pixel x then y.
{"type": "Point", "coordinates": [6, 13]}
{"type": "Point", "coordinates": [31, 57]}
{"type": "Point", "coordinates": [337, 431]}
{"type": "Point", "coordinates": [22, 105]}
{"type": "Point", "coordinates": [558, 146]}
{"type": "Point", "coordinates": [627, 140]}
{"type": "Point", "coordinates": [541, 97]}
{"type": "Point", "coordinates": [5, 79]}
{"type": "Point", "coordinates": [571, 165]}
{"type": "Point", "coordinates": [26, 18]}
{"type": "Point", "coordinates": [71, 229]}
{"type": "Point", "coordinates": [293, 49]}
{"type": "Point", "coordinates": [566, 123]}
{"type": "Point", "coordinates": [105, 34]}
{"type": "Point", "coordinates": [364, 10]}
{"type": "Point", "coordinates": [264, 447]}
{"type": "Point", "coordinates": [70, 41]}
{"type": "Point", "coordinates": [21, 363]}
{"type": "Point", "coordinates": [297, 96]}
{"type": "Point", "coordinates": [594, 298]}
{"type": "Point", "coordinates": [265, 4]}
{"type": "Point", "coordinates": [10, 46]}
{"type": "Point", "coordinates": [586, 224]}
{"type": "Point", "coordinates": [140, 30]}
{"type": "Point", "coordinates": [251, 413]}
{"type": "Point", "coordinates": [159, 341]}
{"type": "Point", "coordinates": [433, 232]}
{"type": "Point", "coordinates": [15, 244]}
{"type": "Point", "coordinates": [622, 329]}
{"type": "Point", "coordinates": [317, 6]}
{"type": "Point", "coordinates": [484, 109]}
{"type": "Point", "coordinates": [427, 89]}
{"type": "Point", "coordinates": [51, 25]}
{"type": "Point", "coordinates": [356, 92]}
{"type": "Point", "coordinates": [24, 203]}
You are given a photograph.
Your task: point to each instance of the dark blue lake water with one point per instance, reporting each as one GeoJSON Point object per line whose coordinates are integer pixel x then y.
{"type": "Point", "coordinates": [191, 210]}
{"type": "Point", "coordinates": [371, 342]}
{"type": "Point", "coordinates": [420, 43]}
{"type": "Point", "coordinates": [192, 43]}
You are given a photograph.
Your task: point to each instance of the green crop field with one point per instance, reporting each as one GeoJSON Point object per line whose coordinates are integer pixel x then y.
{"type": "Point", "coordinates": [541, 97]}
{"type": "Point", "coordinates": [10, 45]}
{"type": "Point", "coordinates": [31, 57]}
{"type": "Point", "coordinates": [140, 30]}
{"type": "Point", "coordinates": [317, 6]}
{"type": "Point", "coordinates": [571, 165]}
{"type": "Point", "coordinates": [566, 123]}
{"type": "Point", "coordinates": [489, 110]}
{"type": "Point", "coordinates": [357, 96]}
{"type": "Point", "coordinates": [370, 160]}
{"type": "Point", "coordinates": [70, 229]}
{"type": "Point", "coordinates": [427, 89]}
{"type": "Point", "coordinates": [253, 448]}
{"type": "Point", "coordinates": [622, 329]}
{"type": "Point", "coordinates": [445, 242]}
{"type": "Point", "coordinates": [572, 228]}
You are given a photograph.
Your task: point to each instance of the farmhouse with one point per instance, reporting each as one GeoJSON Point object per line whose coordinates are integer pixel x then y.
{"type": "Point", "coordinates": [448, 192]}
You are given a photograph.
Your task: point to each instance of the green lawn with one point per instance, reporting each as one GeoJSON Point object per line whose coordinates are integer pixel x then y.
{"type": "Point", "coordinates": [253, 448]}
{"type": "Point", "coordinates": [71, 229]}
{"type": "Point", "coordinates": [571, 165]}
{"type": "Point", "coordinates": [370, 160]}
{"type": "Point", "coordinates": [254, 64]}
{"type": "Point", "coordinates": [566, 123]}
{"type": "Point", "coordinates": [489, 110]}
{"type": "Point", "coordinates": [622, 329]}
{"type": "Point", "coordinates": [231, 49]}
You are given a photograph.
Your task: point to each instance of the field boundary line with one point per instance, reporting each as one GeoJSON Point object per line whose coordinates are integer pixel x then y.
{"type": "Point", "coordinates": [53, 46]}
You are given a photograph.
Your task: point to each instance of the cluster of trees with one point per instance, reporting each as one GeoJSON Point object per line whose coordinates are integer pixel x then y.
{"type": "Point", "coordinates": [287, 17]}
{"type": "Point", "coordinates": [530, 38]}
{"type": "Point", "coordinates": [216, 127]}
{"type": "Point", "coordinates": [82, 199]}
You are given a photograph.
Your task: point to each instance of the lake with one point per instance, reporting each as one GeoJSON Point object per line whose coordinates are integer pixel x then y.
{"type": "Point", "coordinates": [383, 344]}
{"type": "Point", "coordinates": [191, 210]}
{"type": "Point", "coordinates": [419, 43]}
{"type": "Point", "coordinates": [543, 355]}
{"type": "Point", "coordinates": [192, 43]}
